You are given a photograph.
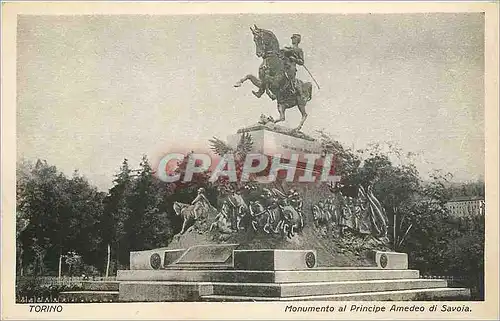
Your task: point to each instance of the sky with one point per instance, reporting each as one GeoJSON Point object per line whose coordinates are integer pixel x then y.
{"type": "Point", "coordinates": [93, 90]}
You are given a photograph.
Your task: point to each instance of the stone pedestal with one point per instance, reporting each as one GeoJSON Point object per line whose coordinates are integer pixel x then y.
{"type": "Point", "coordinates": [391, 260]}
{"type": "Point", "coordinates": [153, 259]}
{"type": "Point", "coordinates": [271, 143]}
{"type": "Point", "coordinates": [268, 142]}
{"type": "Point", "coordinates": [274, 260]}
{"type": "Point", "coordinates": [276, 275]}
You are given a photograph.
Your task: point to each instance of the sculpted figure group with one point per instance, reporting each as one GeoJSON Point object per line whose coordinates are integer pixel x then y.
{"type": "Point", "coordinates": [363, 213]}
{"type": "Point", "coordinates": [191, 212]}
{"type": "Point", "coordinates": [267, 210]}
{"type": "Point", "coordinates": [272, 211]}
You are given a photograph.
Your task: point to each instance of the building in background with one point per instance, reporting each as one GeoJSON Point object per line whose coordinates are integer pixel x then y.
{"type": "Point", "coordinates": [466, 205]}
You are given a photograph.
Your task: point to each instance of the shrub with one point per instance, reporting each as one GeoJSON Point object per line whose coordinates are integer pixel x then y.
{"type": "Point", "coordinates": [33, 288]}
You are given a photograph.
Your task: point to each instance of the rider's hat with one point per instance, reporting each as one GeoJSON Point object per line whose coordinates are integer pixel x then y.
{"type": "Point", "coordinates": [296, 35]}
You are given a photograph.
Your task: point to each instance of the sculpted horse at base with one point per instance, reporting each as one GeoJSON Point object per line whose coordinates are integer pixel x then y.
{"type": "Point", "coordinates": [260, 217]}
{"type": "Point", "coordinates": [292, 221]}
{"type": "Point", "coordinates": [187, 213]}
{"type": "Point", "coordinates": [273, 79]}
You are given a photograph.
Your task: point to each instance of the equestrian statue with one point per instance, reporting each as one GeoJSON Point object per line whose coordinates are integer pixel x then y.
{"type": "Point", "coordinates": [277, 73]}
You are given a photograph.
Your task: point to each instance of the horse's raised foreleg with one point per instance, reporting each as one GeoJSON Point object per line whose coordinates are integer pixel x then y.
{"type": "Point", "coordinates": [256, 81]}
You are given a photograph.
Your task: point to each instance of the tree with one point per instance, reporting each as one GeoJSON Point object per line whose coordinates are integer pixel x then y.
{"type": "Point", "coordinates": [148, 224]}
{"type": "Point", "coordinates": [74, 262]}
{"type": "Point", "coordinates": [346, 161]}
{"type": "Point", "coordinates": [473, 188]}
{"type": "Point", "coordinates": [465, 252]}
{"type": "Point", "coordinates": [86, 210]}
{"type": "Point", "coordinates": [41, 200]}
{"type": "Point", "coordinates": [23, 171]}
{"type": "Point", "coordinates": [62, 214]}
{"type": "Point", "coordinates": [140, 200]}
{"type": "Point", "coordinates": [428, 239]}
{"type": "Point", "coordinates": [115, 214]}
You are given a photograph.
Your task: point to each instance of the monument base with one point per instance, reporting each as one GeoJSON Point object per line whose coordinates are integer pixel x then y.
{"type": "Point", "coordinates": [269, 142]}
{"type": "Point", "coordinates": [272, 143]}
{"type": "Point", "coordinates": [265, 275]}
{"type": "Point", "coordinates": [324, 260]}
{"type": "Point", "coordinates": [279, 275]}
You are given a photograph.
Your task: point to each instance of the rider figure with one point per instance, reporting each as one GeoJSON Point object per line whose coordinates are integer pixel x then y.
{"type": "Point", "coordinates": [295, 200]}
{"type": "Point", "coordinates": [199, 202]}
{"type": "Point", "coordinates": [225, 210]}
{"type": "Point", "coordinates": [295, 56]}
{"type": "Point", "coordinates": [270, 203]}
{"type": "Point", "coordinates": [221, 217]}
{"type": "Point", "coordinates": [332, 210]}
{"type": "Point", "coordinates": [237, 211]}
{"type": "Point", "coordinates": [297, 203]}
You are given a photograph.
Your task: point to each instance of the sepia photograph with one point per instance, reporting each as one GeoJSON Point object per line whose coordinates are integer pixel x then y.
{"type": "Point", "coordinates": [332, 163]}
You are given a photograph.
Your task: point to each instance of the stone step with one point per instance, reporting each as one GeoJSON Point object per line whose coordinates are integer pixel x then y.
{"type": "Point", "coordinates": [451, 294]}
{"type": "Point", "coordinates": [100, 285]}
{"type": "Point", "coordinates": [164, 291]}
{"type": "Point", "coordinates": [310, 275]}
{"type": "Point", "coordinates": [321, 288]}
{"type": "Point", "coordinates": [197, 266]}
{"type": "Point", "coordinates": [89, 296]}
{"type": "Point", "coordinates": [343, 274]}
{"type": "Point", "coordinates": [159, 291]}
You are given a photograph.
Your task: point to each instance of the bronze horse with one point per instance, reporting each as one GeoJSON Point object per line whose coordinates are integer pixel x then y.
{"type": "Point", "coordinates": [272, 78]}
